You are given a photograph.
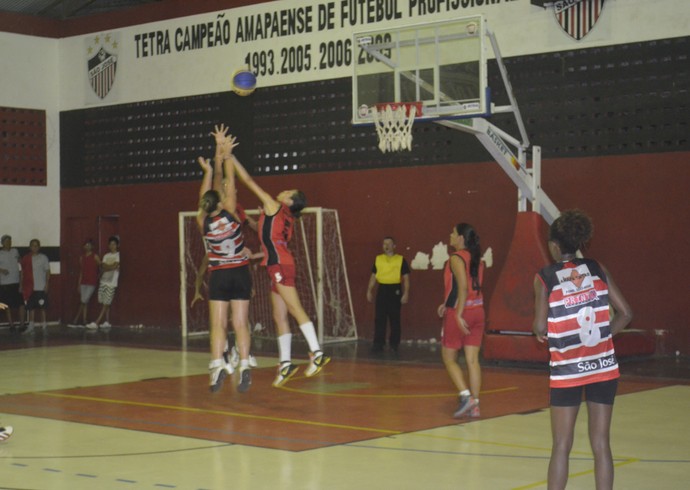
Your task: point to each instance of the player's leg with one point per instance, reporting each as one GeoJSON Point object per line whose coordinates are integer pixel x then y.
{"type": "Point", "coordinates": [450, 361]}
{"type": "Point", "coordinates": [600, 398]}
{"type": "Point", "coordinates": [474, 370]}
{"type": "Point", "coordinates": [218, 319]}
{"type": "Point", "coordinates": [394, 307]}
{"type": "Point", "coordinates": [240, 323]}
{"type": "Point", "coordinates": [599, 439]}
{"type": "Point", "coordinates": [565, 404]}
{"type": "Point", "coordinates": [380, 321]}
{"type": "Point", "coordinates": [286, 369]}
{"type": "Point", "coordinates": [294, 306]}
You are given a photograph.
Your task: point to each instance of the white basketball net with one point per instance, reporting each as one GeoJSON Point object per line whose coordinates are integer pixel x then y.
{"type": "Point", "coordinates": [394, 127]}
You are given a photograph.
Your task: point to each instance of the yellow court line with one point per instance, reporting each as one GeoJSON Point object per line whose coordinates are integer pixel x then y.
{"type": "Point", "coordinates": [479, 441]}
{"type": "Point", "coordinates": [222, 412]}
{"type": "Point", "coordinates": [357, 395]}
{"type": "Point", "coordinates": [574, 475]}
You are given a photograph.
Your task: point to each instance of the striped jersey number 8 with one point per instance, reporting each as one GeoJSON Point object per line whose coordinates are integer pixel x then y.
{"type": "Point", "coordinates": [590, 335]}
{"type": "Point", "coordinates": [228, 248]}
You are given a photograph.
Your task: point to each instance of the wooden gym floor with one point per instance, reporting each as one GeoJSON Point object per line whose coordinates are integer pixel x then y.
{"type": "Point", "coordinates": [131, 410]}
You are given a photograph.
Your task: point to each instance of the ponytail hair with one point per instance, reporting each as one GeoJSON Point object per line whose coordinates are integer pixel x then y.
{"type": "Point", "coordinates": [472, 244]}
{"type": "Point", "coordinates": [299, 202]}
{"type": "Point", "coordinates": [209, 201]}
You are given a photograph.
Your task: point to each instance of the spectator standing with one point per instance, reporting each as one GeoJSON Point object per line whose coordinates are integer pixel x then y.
{"type": "Point", "coordinates": [35, 281]}
{"type": "Point", "coordinates": [89, 263]}
{"type": "Point", "coordinates": [110, 275]}
{"type": "Point", "coordinates": [10, 290]}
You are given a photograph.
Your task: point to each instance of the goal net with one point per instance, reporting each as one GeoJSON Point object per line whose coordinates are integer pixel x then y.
{"type": "Point", "coordinates": [321, 280]}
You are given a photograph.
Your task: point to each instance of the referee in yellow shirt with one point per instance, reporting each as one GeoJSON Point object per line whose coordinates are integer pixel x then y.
{"type": "Point", "coordinates": [392, 274]}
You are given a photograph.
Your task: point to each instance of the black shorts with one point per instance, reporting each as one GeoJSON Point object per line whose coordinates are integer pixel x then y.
{"type": "Point", "coordinates": [230, 284]}
{"type": "Point", "coordinates": [602, 392]}
{"type": "Point", "coordinates": [11, 296]}
{"type": "Point", "coordinates": [37, 300]}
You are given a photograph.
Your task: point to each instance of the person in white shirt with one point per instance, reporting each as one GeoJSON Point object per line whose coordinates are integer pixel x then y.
{"type": "Point", "coordinates": [10, 292]}
{"type": "Point", "coordinates": [110, 274]}
{"type": "Point", "coordinates": [35, 281]}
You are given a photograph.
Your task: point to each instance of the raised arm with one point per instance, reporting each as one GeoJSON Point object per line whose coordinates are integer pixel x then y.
{"type": "Point", "coordinates": [201, 271]}
{"type": "Point", "coordinates": [229, 192]}
{"type": "Point", "coordinates": [270, 205]}
{"type": "Point", "coordinates": [205, 187]}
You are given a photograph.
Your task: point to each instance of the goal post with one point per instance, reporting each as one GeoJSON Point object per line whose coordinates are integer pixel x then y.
{"type": "Point", "coordinates": [321, 282]}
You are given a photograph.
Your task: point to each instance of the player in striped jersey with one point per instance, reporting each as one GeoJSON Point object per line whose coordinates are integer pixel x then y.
{"type": "Point", "coordinates": [230, 283]}
{"type": "Point", "coordinates": [572, 299]}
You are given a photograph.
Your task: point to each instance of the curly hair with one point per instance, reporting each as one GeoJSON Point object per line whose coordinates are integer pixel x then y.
{"type": "Point", "coordinates": [571, 231]}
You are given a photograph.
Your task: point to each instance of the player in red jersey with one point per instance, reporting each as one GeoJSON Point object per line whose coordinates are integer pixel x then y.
{"type": "Point", "coordinates": [230, 282]}
{"type": "Point", "coordinates": [275, 231]}
{"type": "Point", "coordinates": [463, 316]}
{"type": "Point", "coordinates": [572, 299]}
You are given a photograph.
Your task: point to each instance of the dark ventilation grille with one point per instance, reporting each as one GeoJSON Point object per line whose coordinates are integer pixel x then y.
{"type": "Point", "coordinates": [611, 100]}
{"type": "Point", "coordinates": [22, 147]}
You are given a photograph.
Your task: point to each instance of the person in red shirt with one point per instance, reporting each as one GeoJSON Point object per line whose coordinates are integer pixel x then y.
{"type": "Point", "coordinates": [275, 231]}
{"type": "Point", "coordinates": [463, 316]}
{"type": "Point", "coordinates": [89, 263]}
{"type": "Point", "coordinates": [572, 300]}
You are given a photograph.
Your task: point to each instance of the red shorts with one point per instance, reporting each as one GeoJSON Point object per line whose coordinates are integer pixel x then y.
{"type": "Point", "coordinates": [454, 338]}
{"type": "Point", "coordinates": [282, 274]}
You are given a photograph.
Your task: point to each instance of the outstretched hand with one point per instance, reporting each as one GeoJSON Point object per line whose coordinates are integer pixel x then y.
{"type": "Point", "coordinates": [219, 133]}
{"type": "Point", "coordinates": [197, 297]}
{"type": "Point", "coordinates": [205, 164]}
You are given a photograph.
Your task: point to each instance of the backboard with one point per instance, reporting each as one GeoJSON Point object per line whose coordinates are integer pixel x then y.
{"type": "Point", "coordinates": [441, 64]}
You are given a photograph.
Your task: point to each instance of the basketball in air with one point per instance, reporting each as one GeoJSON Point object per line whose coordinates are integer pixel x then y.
{"type": "Point", "coordinates": [243, 82]}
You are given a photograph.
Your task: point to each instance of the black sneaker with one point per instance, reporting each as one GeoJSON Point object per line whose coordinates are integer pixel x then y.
{"type": "Point", "coordinates": [245, 380]}
{"type": "Point", "coordinates": [465, 405]}
{"type": "Point", "coordinates": [286, 371]}
{"type": "Point", "coordinates": [318, 361]}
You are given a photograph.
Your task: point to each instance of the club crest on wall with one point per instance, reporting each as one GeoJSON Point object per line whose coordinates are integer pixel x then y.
{"type": "Point", "coordinates": [102, 63]}
{"type": "Point", "coordinates": [577, 17]}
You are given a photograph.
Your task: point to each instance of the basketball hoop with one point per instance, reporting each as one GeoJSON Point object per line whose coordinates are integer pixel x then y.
{"type": "Point", "coordinates": [394, 124]}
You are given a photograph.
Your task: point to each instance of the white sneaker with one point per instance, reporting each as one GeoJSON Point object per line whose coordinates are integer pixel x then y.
{"type": "Point", "coordinates": [106, 325]}
{"type": "Point", "coordinates": [92, 326]}
{"type": "Point", "coordinates": [217, 371]}
{"type": "Point", "coordinates": [29, 329]}
{"type": "Point", "coordinates": [6, 433]}
{"type": "Point", "coordinates": [234, 357]}
{"type": "Point", "coordinates": [74, 325]}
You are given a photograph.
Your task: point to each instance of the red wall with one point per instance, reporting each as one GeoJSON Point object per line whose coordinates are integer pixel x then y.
{"type": "Point", "coordinates": [637, 204]}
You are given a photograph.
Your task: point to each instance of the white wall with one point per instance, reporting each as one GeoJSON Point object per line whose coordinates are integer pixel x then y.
{"type": "Point", "coordinates": [520, 28]}
{"type": "Point", "coordinates": [51, 75]}
{"type": "Point", "coordinates": [30, 80]}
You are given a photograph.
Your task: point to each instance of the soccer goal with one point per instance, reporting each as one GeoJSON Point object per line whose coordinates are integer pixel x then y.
{"type": "Point", "coordinates": [321, 281]}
